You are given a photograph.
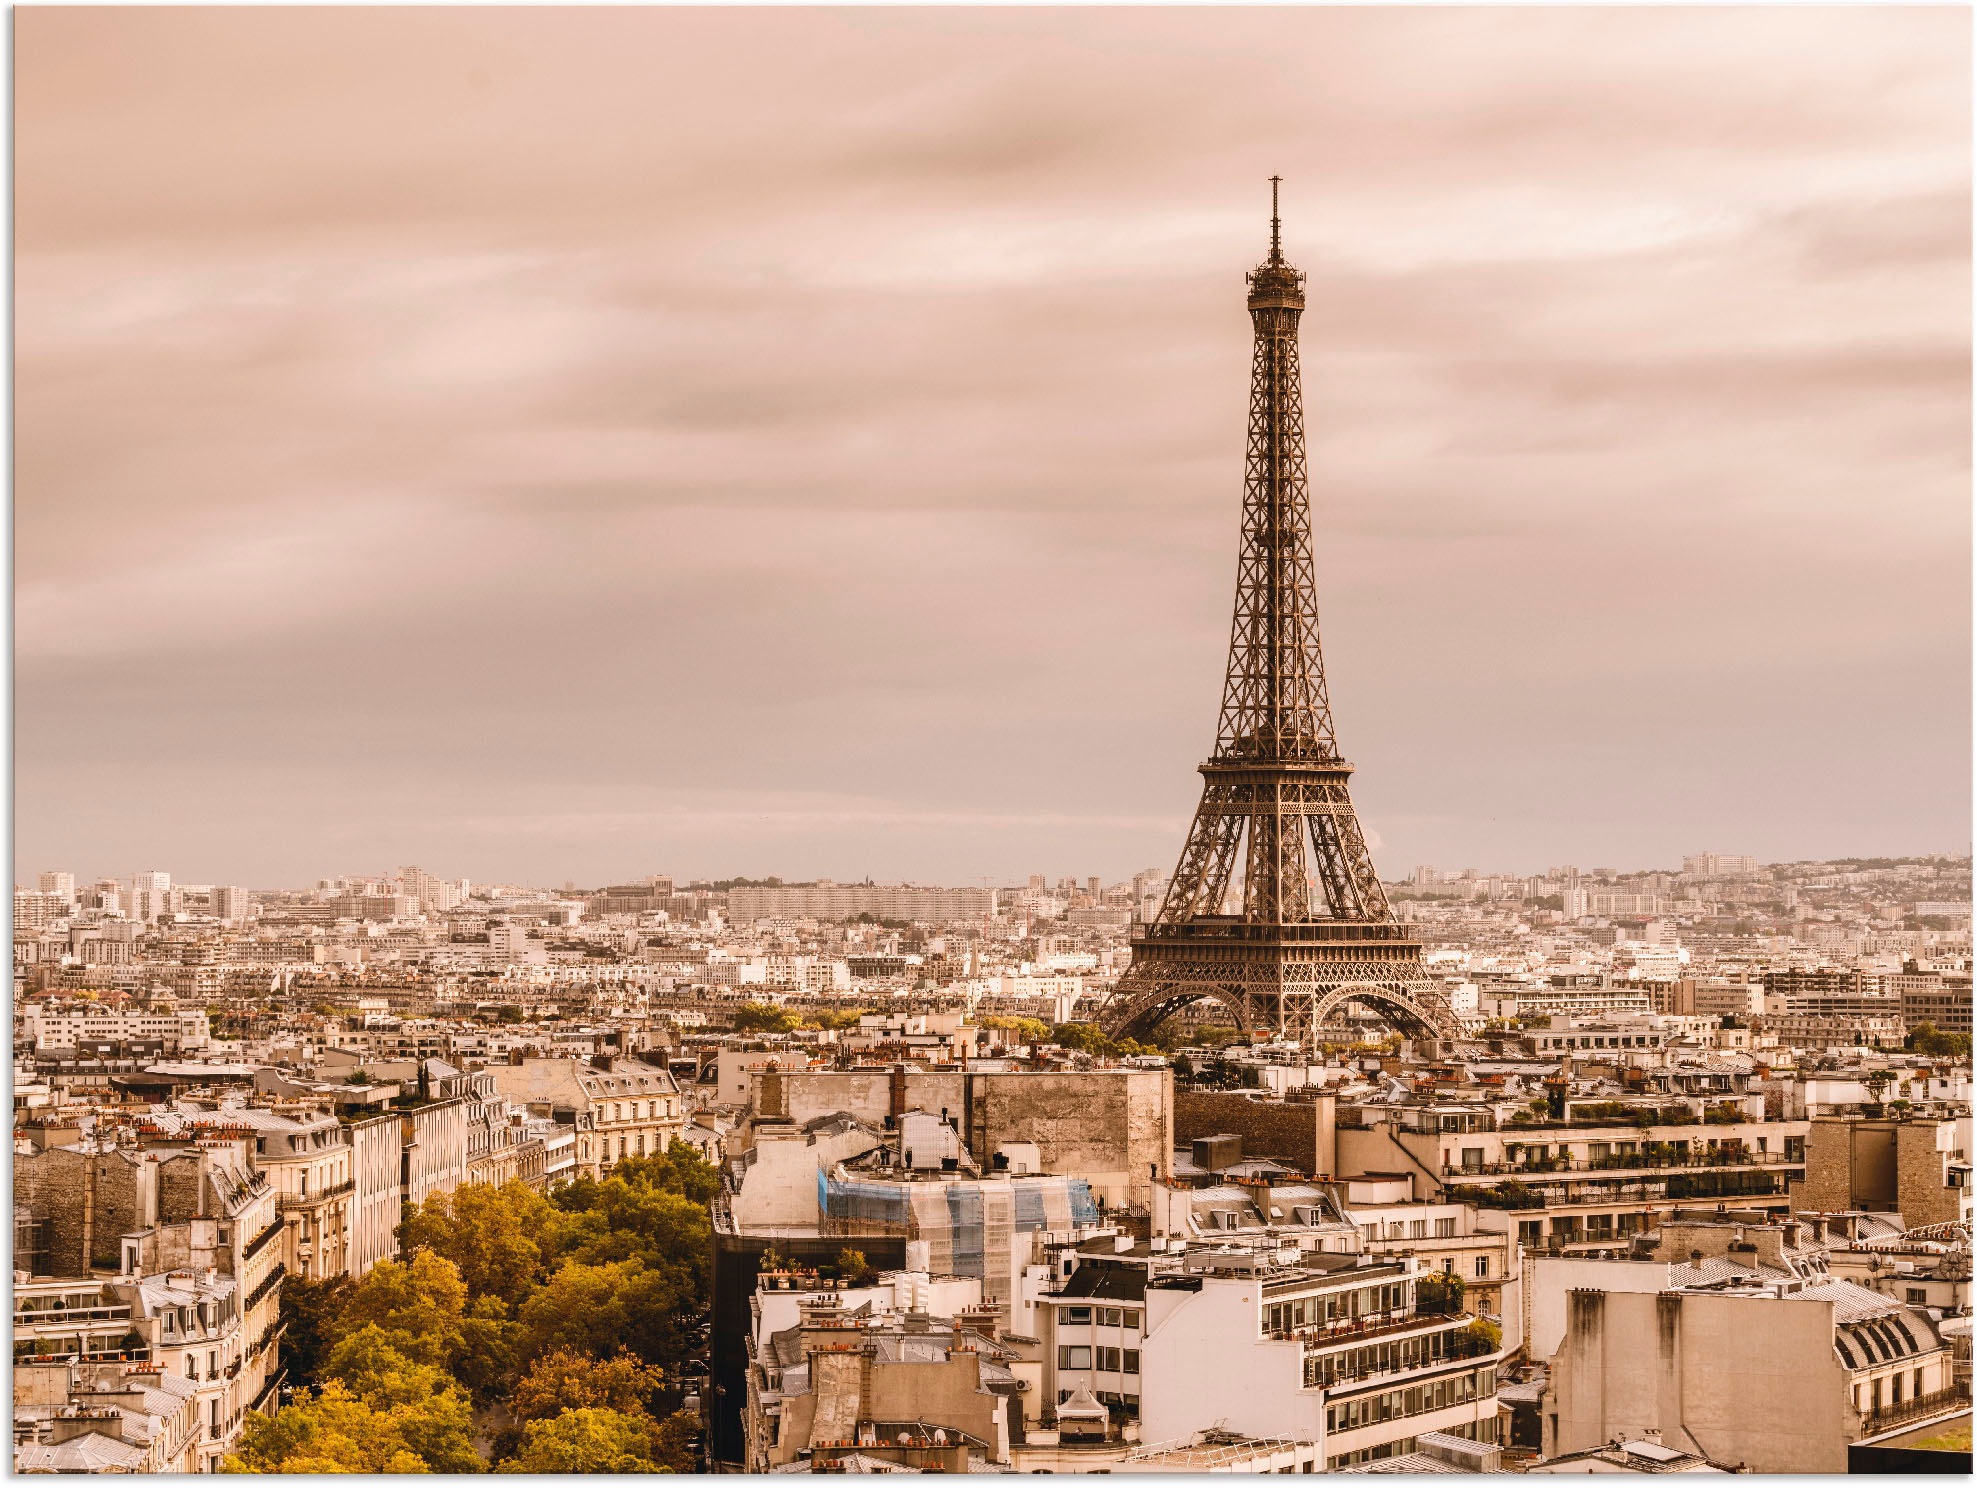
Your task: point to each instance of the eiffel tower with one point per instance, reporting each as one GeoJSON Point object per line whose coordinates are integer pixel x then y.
{"type": "Point", "coordinates": [1314, 931]}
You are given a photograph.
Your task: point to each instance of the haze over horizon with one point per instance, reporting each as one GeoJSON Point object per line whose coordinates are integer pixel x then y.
{"type": "Point", "coordinates": [569, 445]}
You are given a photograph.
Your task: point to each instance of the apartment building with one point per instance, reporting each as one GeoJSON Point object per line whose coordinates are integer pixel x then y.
{"type": "Point", "coordinates": [1590, 1180]}
{"type": "Point", "coordinates": [1776, 1378]}
{"type": "Point", "coordinates": [103, 1417]}
{"type": "Point", "coordinates": [1334, 1349]}
{"type": "Point", "coordinates": [618, 1107]}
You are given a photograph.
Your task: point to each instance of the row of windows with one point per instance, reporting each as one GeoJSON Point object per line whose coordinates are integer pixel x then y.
{"type": "Point", "coordinates": [1873, 1402]}
{"type": "Point", "coordinates": [1379, 1358]}
{"type": "Point", "coordinates": [640, 1110]}
{"type": "Point", "coordinates": [1412, 1229]}
{"type": "Point", "coordinates": [1108, 1317]}
{"type": "Point", "coordinates": [1482, 1431]}
{"type": "Point", "coordinates": [1073, 1356]}
{"type": "Point", "coordinates": [1302, 1312]}
{"type": "Point", "coordinates": [1413, 1400]}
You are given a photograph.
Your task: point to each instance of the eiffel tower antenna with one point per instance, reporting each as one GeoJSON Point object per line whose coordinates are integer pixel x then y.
{"type": "Point", "coordinates": [1311, 930]}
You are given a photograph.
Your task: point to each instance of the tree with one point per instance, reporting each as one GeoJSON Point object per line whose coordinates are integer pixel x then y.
{"type": "Point", "coordinates": [490, 1234]}
{"type": "Point", "coordinates": [586, 1440]}
{"type": "Point", "coordinates": [600, 1309]}
{"type": "Point", "coordinates": [419, 1304]}
{"type": "Point", "coordinates": [403, 1426]}
{"type": "Point", "coordinates": [327, 1432]}
{"type": "Point", "coordinates": [852, 1266]}
{"type": "Point", "coordinates": [1482, 1337]}
{"type": "Point", "coordinates": [1084, 1037]}
{"type": "Point", "coordinates": [833, 1018]}
{"type": "Point", "coordinates": [675, 1443]}
{"type": "Point", "coordinates": [1936, 1043]}
{"type": "Point", "coordinates": [680, 1169]}
{"type": "Point", "coordinates": [1025, 1030]}
{"type": "Point", "coordinates": [765, 1017]}
{"type": "Point", "coordinates": [310, 1309]}
{"type": "Point", "coordinates": [1439, 1292]}
{"type": "Point", "coordinates": [566, 1380]}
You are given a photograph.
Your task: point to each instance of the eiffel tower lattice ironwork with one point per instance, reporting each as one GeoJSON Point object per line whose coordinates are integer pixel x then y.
{"type": "Point", "coordinates": [1313, 930]}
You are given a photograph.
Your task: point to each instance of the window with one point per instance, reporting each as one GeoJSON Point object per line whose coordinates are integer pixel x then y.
{"type": "Point", "coordinates": [1482, 1265]}
{"type": "Point", "coordinates": [1108, 1360]}
{"type": "Point", "coordinates": [1075, 1315]}
{"type": "Point", "coordinates": [1108, 1317]}
{"type": "Point", "coordinates": [1472, 1158]}
{"type": "Point", "coordinates": [1445, 1229]}
{"type": "Point", "coordinates": [1132, 1317]}
{"type": "Point", "coordinates": [1918, 1295]}
{"type": "Point", "coordinates": [1133, 1362]}
{"type": "Point", "coordinates": [1073, 1356]}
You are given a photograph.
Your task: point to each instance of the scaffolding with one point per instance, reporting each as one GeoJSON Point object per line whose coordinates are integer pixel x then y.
{"type": "Point", "coordinates": [968, 1224]}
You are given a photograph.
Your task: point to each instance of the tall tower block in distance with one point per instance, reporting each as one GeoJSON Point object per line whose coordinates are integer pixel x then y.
{"type": "Point", "coordinates": [1313, 931]}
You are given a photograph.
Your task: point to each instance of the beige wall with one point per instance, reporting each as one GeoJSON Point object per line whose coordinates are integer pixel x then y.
{"type": "Point", "coordinates": [1743, 1380]}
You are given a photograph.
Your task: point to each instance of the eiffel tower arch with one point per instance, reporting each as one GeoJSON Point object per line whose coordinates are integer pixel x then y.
{"type": "Point", "coordinates": [1313, 931]}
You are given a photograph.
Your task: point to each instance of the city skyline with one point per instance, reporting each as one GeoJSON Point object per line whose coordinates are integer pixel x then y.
{"type": "Point", "coordinates": [858, 495]}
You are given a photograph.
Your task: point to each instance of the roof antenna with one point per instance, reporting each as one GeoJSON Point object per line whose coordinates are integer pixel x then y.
{"type": "Point", "coordinates": [1276, 234]}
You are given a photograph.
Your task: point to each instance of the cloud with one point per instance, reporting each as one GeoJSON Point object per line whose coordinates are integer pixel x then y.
{"type": "Point", "coordinates": [452, 417]}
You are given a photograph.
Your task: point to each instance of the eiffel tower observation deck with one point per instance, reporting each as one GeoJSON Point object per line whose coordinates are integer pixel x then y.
{"type": "Point", "coordinates": [1305, 928]}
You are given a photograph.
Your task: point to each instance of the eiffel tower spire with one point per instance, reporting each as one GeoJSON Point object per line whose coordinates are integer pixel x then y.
{"type": "Point", "coordinates": [1311, 928]}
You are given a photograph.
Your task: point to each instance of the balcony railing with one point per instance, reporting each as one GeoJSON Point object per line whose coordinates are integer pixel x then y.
{"type": "Point", "coordinates": [260, 1242]}
{"type": "Point", "coordinates": [1625, 1162]}
{"type": "Point", "coordinates": [1367, 1326]}
{"type": "Point", "coordinates": [1942, 1402]}
{"type": "Point", "coordinates": [309, 1201]}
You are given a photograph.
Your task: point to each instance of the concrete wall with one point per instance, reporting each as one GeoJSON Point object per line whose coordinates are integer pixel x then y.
{"type": "Point", "coordinates": [1204, 1364]}
{"type": "Point", "coordinates": [1743, 1380]}
{"type": "Point", "coordinates": [780, 1186]}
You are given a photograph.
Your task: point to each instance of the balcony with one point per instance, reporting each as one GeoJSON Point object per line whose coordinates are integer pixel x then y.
{"type": "Point", "coordinates": [287, 1202]}
{"type": "Point", "coordinates": [1921, 1408]}
{"type": "Point", "coordinates": [1372, 1325]}
{"type": "Point", "coordinates": [1636, 1162]}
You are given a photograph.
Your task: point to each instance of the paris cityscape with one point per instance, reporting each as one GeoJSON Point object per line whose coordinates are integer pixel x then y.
{"type": "Point", "coordinates": [1282, 1153]}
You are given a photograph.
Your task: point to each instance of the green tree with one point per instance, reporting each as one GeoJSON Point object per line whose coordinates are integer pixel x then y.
{"type": "Point", "coordinates": [600, 1309]}
{"type": "Point", "coordinates": [852, 1266]}
{"type": "Point", "coordinates": [1087, 1038]}
{"type": "Point", "coordinates": [1439, 1292]}
{"type": "Point", "coordinates": [586, 1440]}
{"type": "Point", "coordinates": [675, 1447]}
{"type": "Point", "coordinates": [835, 1018]}
{"type": "Point", "coordinates": [490, 1234]}
{"type": "Point", "coordinates": [566, 1380]}
{"type": "Point", "coordinates": [1482, 1337]}
{"type": "Point", "coordinates": [765, 1017]}
{"type": "Point", "coordinates": [419, 1304]}
{"type": "Point", "coordinates": [1933, 1042]}
{"type": "Point", "coordinates": [310, 1310]}
{"type": "Point", "coordinates": [411, 1421]}
{"type": "Point", "coordinates": [680, 1169]}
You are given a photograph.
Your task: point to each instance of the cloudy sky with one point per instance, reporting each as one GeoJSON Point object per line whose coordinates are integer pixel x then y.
{"type": "Point", "coordinates": [556, 444]}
